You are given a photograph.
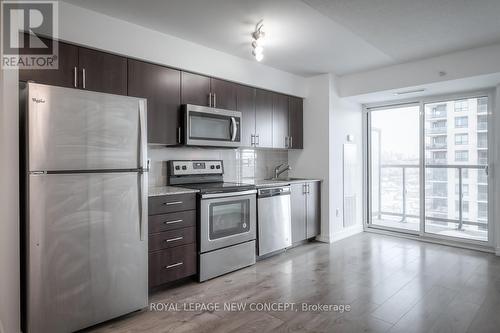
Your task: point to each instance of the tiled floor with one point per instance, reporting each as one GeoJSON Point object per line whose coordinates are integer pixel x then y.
{"type": "Point", "coordinates": [391, 284]}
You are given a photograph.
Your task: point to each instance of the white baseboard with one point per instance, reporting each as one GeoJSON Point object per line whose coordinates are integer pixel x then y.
{"type": "Point", "coordinates": [347, 232]}
{"type": "Point", "coordinates": [323, 238]}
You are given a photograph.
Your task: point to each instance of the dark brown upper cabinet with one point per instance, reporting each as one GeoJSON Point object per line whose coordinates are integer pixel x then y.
{"type": "Point", "coordinates": [223, 94]}
{"type": "Point", "coordinates": [280, 121]}
{"type": "Point", "coordinates": [263, 118]}
{"type": "Point", "coordinates": [296, 123]}
{"type": "Point", "coordinates": [245, 102]}
{"type": "Point", "coordinates": [162, 88]}
{"type": "Point", "coordinates": [195, 89]}
{"type": "Point", "coordinates": [103, 72]}
{"type": "Point", "coordinates": [63, 76]}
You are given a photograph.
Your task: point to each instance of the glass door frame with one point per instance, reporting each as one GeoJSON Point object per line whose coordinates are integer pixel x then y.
{"type": "Point", "coordinates": [422, 234]}
{"type": "Point", "coordinates": [367, 174]}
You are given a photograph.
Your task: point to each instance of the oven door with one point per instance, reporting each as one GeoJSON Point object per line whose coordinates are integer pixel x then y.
{"type": "Point", "coordinates": [206, 126]}
{"type": "Point", "coordinates": [227, 219]}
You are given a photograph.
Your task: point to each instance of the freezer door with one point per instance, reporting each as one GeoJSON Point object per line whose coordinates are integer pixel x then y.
{"type": "Point", "coordinates": [72, 129]}
{"type": "Point", "coordinates": [87, 254]}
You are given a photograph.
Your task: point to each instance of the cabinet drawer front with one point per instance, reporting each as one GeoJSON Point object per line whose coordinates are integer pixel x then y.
{"type": "Point", "coordinates": [172, 264]}
{"type": "Point", "coordinates": [172, 238]}
{"type": "Point", "coordinates": [171, 221]}
{"type": "Point", "coordinates": [171, 203]}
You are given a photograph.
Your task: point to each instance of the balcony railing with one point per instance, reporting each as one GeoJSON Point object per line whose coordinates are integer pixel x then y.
{"type": "Point", "coordinates": [437, 130]}
{"type": "Point", "coordinates": [436, 145]}
{"type": "Point", "coordinates": [437, 114]}
{"type": "Point", "coordinates": [482, 126]}
{"type": "Point", "coordinates": [404, 213]}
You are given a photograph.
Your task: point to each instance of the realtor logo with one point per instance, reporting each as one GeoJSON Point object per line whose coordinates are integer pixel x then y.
{"type": "Point", "coordinates": [23, 25]}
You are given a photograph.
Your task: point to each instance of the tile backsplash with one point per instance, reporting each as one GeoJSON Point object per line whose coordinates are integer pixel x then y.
{"type": "Point", "coordinates": [240, 165]}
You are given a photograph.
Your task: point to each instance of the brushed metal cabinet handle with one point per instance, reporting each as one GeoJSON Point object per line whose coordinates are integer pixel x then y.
{"type": "Point", "coordinates": [84, 77]}
{"type": "Point", "coordinates": [210, 99]}
{"type": "Point", "coordinates": [174, 265]}
{"type": "Point", "coordinates": [172, 222]}
{"type": "Point", "coordinates": [174, 239]}
{"type": "Point", "coordinates": [75, 77]}
{"type": "Point", "coordinates": [215, 100]}
{"type": "Point", "coordinates": [172, 203]}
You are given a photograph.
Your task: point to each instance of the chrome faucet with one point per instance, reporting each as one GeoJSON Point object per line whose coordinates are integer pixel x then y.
{"type": "Point", "coordinates": [278, 172]}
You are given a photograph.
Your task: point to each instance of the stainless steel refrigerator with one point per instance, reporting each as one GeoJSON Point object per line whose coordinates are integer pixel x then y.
{"type": "Point", "coordinates": [86, 207]}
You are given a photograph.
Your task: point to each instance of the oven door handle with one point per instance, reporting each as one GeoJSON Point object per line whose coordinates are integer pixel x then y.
{"type": "Point", "coordinates": [227, 194]}
{"type": "Point", "coordinates": [234, 129]}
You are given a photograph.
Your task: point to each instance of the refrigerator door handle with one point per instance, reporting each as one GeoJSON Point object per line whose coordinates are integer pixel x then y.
{"type": "Point", "coordinates": [143, 143]}
{"type": "Point", "coordinates": [143, 203]}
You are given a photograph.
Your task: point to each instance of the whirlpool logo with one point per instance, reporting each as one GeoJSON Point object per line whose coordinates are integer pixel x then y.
{"type": "Point", "coordinates": [23, 25]}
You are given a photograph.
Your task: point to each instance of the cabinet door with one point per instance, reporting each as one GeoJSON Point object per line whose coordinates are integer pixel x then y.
{"type": "Point", "coordinates": [280, 121]}
{"type": "Point", "coordinates": [264, 118]}
{"type": "Point", "coordinates": [103, 72]}
{"type": "Point", "coordinates": [298, 213]}
{"type": "Point", "coordinates": [64, 76]}
{"type": "Point", "coordinates": [296, 122]}
{"type": "Point", "coordinates": [162, 88]}
{"type": "Point", "coordinates": [246, 105]}
{"type": "Point", "coordinates": [224, 94]}
{"type": "Point", "coordinates": [195, 89]}
{"type": "Point", "coordinates": [313, 210]}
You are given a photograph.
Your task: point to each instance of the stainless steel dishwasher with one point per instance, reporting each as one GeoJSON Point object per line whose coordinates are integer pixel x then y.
{"type": "Point", "coordinates": [273, 219]}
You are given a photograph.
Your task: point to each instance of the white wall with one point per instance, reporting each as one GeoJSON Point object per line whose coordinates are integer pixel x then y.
{"type": "Point", "coordinates": [89, 28]}
{"type": "Point", "coordinates": [327, 121]}
{"type": "Point", "coordinates": [9, 204]}
{"type": "Point", "coordinates": [346, 120]}
{"type": "Point", "coordinates": [313, 160]}
{"type": "Point", "coordinates": [465, 64]}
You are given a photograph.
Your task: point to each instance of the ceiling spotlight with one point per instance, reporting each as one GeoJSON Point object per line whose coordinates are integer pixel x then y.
{"type": "Point", "coordinates": [258, 41]}
{"type": "Point", "coordinates": [258, 56]}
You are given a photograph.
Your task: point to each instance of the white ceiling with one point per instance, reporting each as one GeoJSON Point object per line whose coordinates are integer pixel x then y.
{"type": "Point", "coordinates": [318, 36]}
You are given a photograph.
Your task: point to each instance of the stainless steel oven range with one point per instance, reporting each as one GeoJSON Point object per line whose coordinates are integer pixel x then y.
{"type": "Point", "coordinates": [226, 216]}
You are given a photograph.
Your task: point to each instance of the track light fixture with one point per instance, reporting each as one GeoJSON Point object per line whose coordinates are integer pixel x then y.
{"type": "Point", "coordinates": [258, 41]}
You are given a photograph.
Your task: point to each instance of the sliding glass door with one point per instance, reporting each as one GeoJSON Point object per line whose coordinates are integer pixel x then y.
{"type": "Point", "coordinates": [428, 168]}
{"type": "Point", "coordinates": [395, 167]}
{"type": "Point", "coordinates": [456, 160]}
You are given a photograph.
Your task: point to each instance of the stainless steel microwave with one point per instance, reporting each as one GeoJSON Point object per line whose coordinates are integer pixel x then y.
{"type": "Point", "coordinates": [206, 126]}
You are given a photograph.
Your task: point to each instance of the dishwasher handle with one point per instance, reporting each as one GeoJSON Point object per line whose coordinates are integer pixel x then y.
{"type": "Point", "coordinates": [273, 191]}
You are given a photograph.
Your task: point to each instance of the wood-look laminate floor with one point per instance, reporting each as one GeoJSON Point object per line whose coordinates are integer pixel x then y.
{"type": "Point", "coordinates": [391, 284]}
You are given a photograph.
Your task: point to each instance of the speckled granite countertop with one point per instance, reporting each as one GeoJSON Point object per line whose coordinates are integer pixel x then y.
{"type": "Point", "coordinates": [169, 190]}
{"type": "Point", "coordinates": [270, 183]}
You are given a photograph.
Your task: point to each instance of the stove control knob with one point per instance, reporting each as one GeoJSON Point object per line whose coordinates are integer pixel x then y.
{"type": "Point", "coordinates": [218, 166]}
{"type": "Point", "coordinates": [177, 167]}
{"type": "Point", "coordinates": [212, 167]}
{"type": "Point", "coordinates": [184, 167]}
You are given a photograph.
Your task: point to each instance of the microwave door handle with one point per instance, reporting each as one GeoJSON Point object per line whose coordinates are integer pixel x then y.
{"type": "Point", "coordinates": [234, 129]}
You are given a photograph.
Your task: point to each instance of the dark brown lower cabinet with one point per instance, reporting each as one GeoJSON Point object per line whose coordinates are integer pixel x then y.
{"type": "Point", "coordinates": [172, 238]}
{"type": "Point", "coordinates": [170, 265]}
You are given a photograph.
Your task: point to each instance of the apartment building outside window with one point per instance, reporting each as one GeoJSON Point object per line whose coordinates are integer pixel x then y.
{"type": "Point", "coordinates": [461, 106]}
{"type": "Point", "coordinates": [461, 156]}
{"type": "Point", "coordinates": [462, 139]}
{"type": "Point", "coordinates": [461, 122]}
